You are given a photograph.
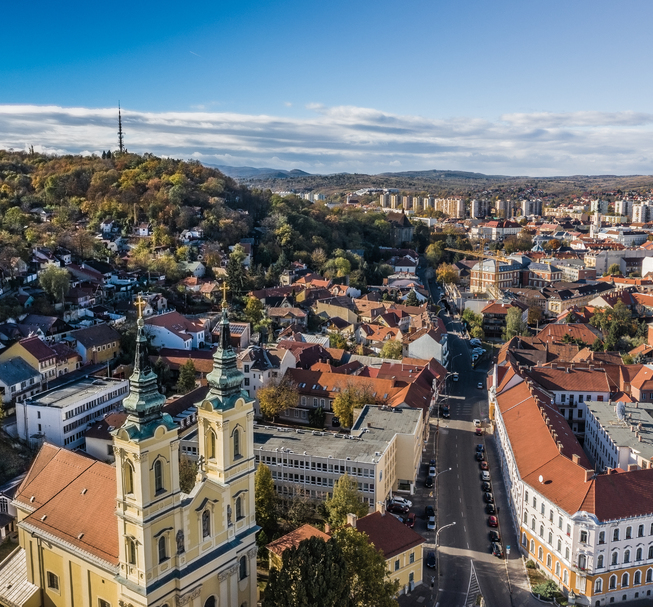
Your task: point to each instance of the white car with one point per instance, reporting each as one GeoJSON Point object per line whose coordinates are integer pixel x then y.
{"type": "Point", "coordinates": [485, 476]}
{"type": "Point", "coordinates": [402, 501]}
{"type": "Point", "coordinates": [477, 423]}
{"type": "Point", "coordinates": [430, 525]}
{"type": "Point", "coordinates": [432, 471]}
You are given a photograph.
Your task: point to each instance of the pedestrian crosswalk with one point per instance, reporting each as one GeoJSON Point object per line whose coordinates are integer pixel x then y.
{"type": "Point", "coordinates": [473, 590]}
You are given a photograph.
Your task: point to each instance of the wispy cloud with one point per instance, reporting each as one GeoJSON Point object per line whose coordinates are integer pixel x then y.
{"type": "Point", "coordinates": [346, 138]}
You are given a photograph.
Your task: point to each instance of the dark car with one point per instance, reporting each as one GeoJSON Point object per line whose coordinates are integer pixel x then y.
{"type": "Point", "coordinates": [489, 498]}
{"type": "Point", "coordinates": [432, 462]}
{"type": "Point", "coordinates": [445, 412]}
{"type": "Point", "coordinates": [497, 549]}
{"type": "Point", "coordinates": [429, 511]}
{"type": "Point", "coordinates": [335, 422]}
{"type": "Point", "coordinates": [484, 466]}
{"type": "Point", "coordinates": [486, 487]}
{"type": "Point", "coordinates": [428, 483]}
{"type": "Point", "coordinates": [480, 456]}
{"type": "Point", "coordinates": [397, 509]}
{"type": "Point", "coordinates": [430, 560]}
{"type": "Point", "coordinates": [409, 519]}
{"type": "Point", "coordinates": [492, 521]}
{"type": "Point", "coordinates": [490, 509]}
{"type": "Point", "coordinates": [494, 536]}
{"type": "Point", "coordinates": [480, 448]}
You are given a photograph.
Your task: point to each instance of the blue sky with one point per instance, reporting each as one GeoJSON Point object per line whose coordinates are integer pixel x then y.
{"type": "Point", "coordinates": [499, 87]}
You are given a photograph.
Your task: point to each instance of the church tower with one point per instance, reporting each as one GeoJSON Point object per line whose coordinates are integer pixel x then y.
{"type": "Point", "coordinates": [196, 549]}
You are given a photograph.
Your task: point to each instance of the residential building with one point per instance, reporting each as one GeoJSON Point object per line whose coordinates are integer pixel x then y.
{"type": "Point", "coordinates": [479, 209]}
{"type": "Point", "coordinates": [260, 366]}
{"type": "Point", "coordinates": [624, 207]}
{"type": "Point", "coordinates": [59, 416]}
{"type": "Point", "coordinates": [428, 343]}
{"type": "Point", "coordinates": [382, 453]}
{"type": "Point", "coordinates": [494, 317]}
{"type": "Point", "coordinates": [292, 540]}
{"type": "Point", "coordinates": [563, 295]}
{"type": "Point", "coordinates": [402, 229]}
{"type": "Point", "coordinates": [96, 344]}
{"type": "Point", "coordinates": [18, 380]}
{"type": "Point", "coordinates": [494, 274]}
{"type": "Point", "coordinates": [531, 207]}
{"type": "Point", "coordinates": [599, 206]}
{"type": "Point", "coordinates": [643, 212]}
{"type": "Point", "coordinates": [8, 510]}
{"type": "Point", "coordinates": [543, 274]}
{"type": "Point", "coordinates": [35, 353]}
{"type": "Point", "coordinates": [172, 330]}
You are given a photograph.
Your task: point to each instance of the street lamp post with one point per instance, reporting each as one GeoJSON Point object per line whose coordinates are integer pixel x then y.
{"type": "Point", "coordinates": [437, 535]}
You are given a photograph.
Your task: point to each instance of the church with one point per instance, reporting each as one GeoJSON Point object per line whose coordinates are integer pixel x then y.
{"type": "Point", "coordinates": [96, 535]}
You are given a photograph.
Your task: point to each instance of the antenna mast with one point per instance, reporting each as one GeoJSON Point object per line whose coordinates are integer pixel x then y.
{"type": "Point", "coordinates": [121, 146]}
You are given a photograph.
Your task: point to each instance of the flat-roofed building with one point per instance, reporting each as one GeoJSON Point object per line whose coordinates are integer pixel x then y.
{"type": "Point", "coordinates": [60, 416]}
{"type": "Point", "coordinates": [382, 453]}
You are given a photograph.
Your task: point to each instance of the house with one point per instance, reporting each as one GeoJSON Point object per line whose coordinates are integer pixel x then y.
{"type": "Point", "coordinates": [194, 268]}
{"type": "Point", "coordinates": [172, 330]}
{"type": "Point", "coordinates": [260, 366]}
{"type": "Point", "coordinates": [494, 317]}
{"type": "Point", "coordinates": [68, 360]}
{"type": "Point", "coordinates": [37, 354]}
{"type": "Point", "coordinates": [18, 380]}
{"type": "Point", "coordinates": [97, 344]}
{"type": "Point", "coordinates": [7, 508]}
{"type": "Point", "coordinates": [143, 229]}
{"type": "Point", "coordinates": [405, 264]}
{"type": "Point", "coordinates": [428, 343]}
{"type": "Point", "coordinates": [284, 316]}
{"type": "Point", "coordinates": [375, 336]}
{"type": "Point", "coordinates": [53, 327]}
{"type": "Point", "coordinates": [343, 307]}
{"type": "Point", "coordinates": [401, 228]}
{"type": "Point", "coordinates": [292, 540]}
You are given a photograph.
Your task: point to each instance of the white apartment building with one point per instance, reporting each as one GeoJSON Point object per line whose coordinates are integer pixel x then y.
{"type": "Point", "coordinates": [531, 207]}
{"type": "Point", "coordinates": [624, 207]}
{"type": "Point", "coordinates": [61, 415]}
{"type": "Point", "coordinates": [642, 212]}
{"type": "Point", "coordinates": [383, 454]}
{"type": "Point", "coordinates": [599, 206]}
{"type": "Point", "coordinates": [479, 209]}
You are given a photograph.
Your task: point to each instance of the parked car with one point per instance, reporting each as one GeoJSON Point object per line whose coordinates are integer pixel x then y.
{"type": "Point", "coordinates": [490, 509]}
{"type": "Point", "coordinates": [397, 509]}
{"type": "Point", "coordinates": [480, 448]}
{"type": "Point", "coordinates": [430, 560]}
{"type": "Point", "coordinates": [477, 423]}
{"type": "Point", "coordinates": [480, 456]}
{"type": "Point", "coordinates": [432, 462]}
{"type": "Point", "coordinates": [409, 519]}
{"type": "Point", "coordinates": [428, 483]}
{"type": "Point", "coordinates": [479, 385]}
{"type": "Point", "coordinates": [475, 341]}
{"type": "Point", "coordinates": [485, 475]}
{"type": "Point", "coordinates": [455, 376]}
{"type": "Point", "coordinates": [429, 511]}
{"type": "Point", "coordinates": [497, 549]}
{"type": "Point", "coordinates": [486, 487]}
{"type": "Point", "coordinates": [430, 524]}
{"type": "Point", "coordinates": [489, 498]}
{"type": "Point", "coordinates": [484, 466]}
{"type": "Point", "coordinates": [432, 471]}
{"type": "Point", "coordinates": [478, 431]}
{"type": "Point", "coordinates": [397, 499]}
{"type": "Point", "coordinates": [494, 536]}
{"type": "Point", "coordinates": [446, 412]}
{"type": "Point", "coordinates": [493, 521]}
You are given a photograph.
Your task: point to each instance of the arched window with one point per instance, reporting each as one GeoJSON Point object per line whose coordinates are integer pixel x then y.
{"type": "Point", "coordinates": [559, 545]}
{"type": "Point", "coordinates": [242, 568]}
{"type": "Point", "coordinates": [637, 578]}
{"type": "Point", "coordinates": [558, 568]}
{"type": "Point", "coordinates": [582, 561]}
{"type": "Point", "coordinates": [525, 518]}
{"type": "Point", "coordinates": [128, 477]}
{"type": "Point", "coordinates": [533, 523]}
{"type": "Point", "coordinates": [206, 524]}
{"type": "Point", "coordinates": [239, 508]}
{"type": "Point", "coordinates": [627, 556]}
{"type": "Point", "coordinates": [550, 538]}
{"type": "Point", "coordinates": [131, 551]}
{"type": "Point", "coordinates": [524, 539]}
{"type": "Point", "coordinates": [598, 585]}
{"type": "Point", "coordinates": [540, 553]}
{"type": "Point", "coordinates": [615, 535]}
{"type": "Point", "coordinates": [615, 558]}
{"type": "Point", "coordinates": [532, 547]}
{"type": "Point", "coordinates": [613, 582]}
{"type": "Point", "coordinates": [210, 602]}
{"type": "Point", "coordinates": [567, 552]}
{"type": "Point", "coordinates": [548, 561]}
{"type": "Point", "coordinates": [629, 533]}
{"type": "Point", "coordinates": [638, 554]}
{"type": "Point", "coordinates": [158, 476]}
{"type": "Point", "coordinates": [210, 445]}
{"type": "Point", "coordinates": [624, 580]}
{"type": "Point", "coordinates": [541, 530]}
{"type": "Point", "coordinates": [650, 552]}
{"type": "Point", "coordinates": [163, 555]}
{"type": "Point", "coordinates": [565, 577]}
{"type": "Point", "coordinates": [649, 575]}
{"type": "Point", "coordinates": [602, 537]}
{"type": "Point", "coordinates": [236, 443]}
{"type": "Point", "coordinates": [599, 562]}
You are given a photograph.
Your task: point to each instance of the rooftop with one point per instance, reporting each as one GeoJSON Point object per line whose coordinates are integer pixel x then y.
{"type": "Point", "coordinates": [76, 392]}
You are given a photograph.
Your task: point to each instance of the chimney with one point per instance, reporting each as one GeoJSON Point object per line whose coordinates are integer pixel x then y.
{"type": "Point", "coordinates": [560, 446]}
{"type": "Point", "coordinates": [632, 467]}
{"type": "Point", "coordinates": [380, 507]}
{"type": "Point", "coordinates": [575, 458]}
{"type": "Point", "coordinates": [327, 528]}
{"type": "Point", "coordinates": [351, 519]}
{"type": "Point", "coordinates": [588, 475]}
{"type": "Point", "coordinates": [608, 470]}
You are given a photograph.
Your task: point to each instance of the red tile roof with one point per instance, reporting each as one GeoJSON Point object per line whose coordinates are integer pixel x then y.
{"type": "Point", "coordinates": [389, 536]}
{"type": "Point", "coordinates": [294, 538]}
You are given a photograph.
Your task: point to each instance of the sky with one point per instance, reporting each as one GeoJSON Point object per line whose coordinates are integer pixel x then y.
{"type": "Point", "coordinates": [502, 87]}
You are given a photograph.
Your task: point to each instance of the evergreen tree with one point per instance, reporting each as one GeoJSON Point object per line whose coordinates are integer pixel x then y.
{"type": "Point", "coordinates": [186, 380]}
{"type": "Point", "coordinates": [411, 299]}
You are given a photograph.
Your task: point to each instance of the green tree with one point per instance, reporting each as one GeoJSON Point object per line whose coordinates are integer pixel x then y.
{"type": "Point", "coordinates": [614, 270]}
{"type": "Point", "coordinates": [312, 574]}
{"type": "Point", "coordinates": [546, 590]}
{"type": "Point", "coordinates": [276, 397]}
{"type": "Point", "coordinates": [392, 349]}
{"type": "Point", "coordinates": [477, 332]}
{"type": "Point", "coordinates": [446, 274]}
{"type": "Point", "coordinates": [346, 499]}
{"type": "Point", "coordinates": [254, 310]}
{"type": "Point", "coordinates": [187, 474]}
{"type": "Point", "coordinates": [336, 340]}
{"type": "Point", "coordinates": [162, 371]}
{"type": "Point", "coordinates": [236, 275]}
{"type": "Point", "coordinates": [186, 380]}
{"type": "Point", "coordinates": [515, 325]}
{"type": "Point", "coordinates": [411, 299]}
{"type": "Point", "coordinates": [368, 580]}
{"type": "Point", "coordinates": [265, 499]}
{"type": "Point", "coordinates": [55, 282]}
{"type": "Point", "coordinates": [349, 399]}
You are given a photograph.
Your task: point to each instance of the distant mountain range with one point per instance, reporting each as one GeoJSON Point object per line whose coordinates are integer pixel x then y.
{"type": "Point", "coordinates": [253, 172]}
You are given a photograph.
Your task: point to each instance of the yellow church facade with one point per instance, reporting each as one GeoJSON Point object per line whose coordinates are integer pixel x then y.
{"type": "Point", "coordinates": [96, 535]}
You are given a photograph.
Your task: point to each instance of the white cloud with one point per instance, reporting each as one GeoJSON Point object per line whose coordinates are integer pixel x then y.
{"type": "Point", "coordinates": [346, 138]}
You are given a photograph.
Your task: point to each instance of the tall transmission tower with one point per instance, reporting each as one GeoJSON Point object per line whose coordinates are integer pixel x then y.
{"type": "Point", "coordinates": [121, 145]}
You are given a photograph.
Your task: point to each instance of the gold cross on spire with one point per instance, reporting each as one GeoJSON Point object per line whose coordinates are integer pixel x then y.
{"type": "Point", "coordinates": [225, 288]}
{"type": "Point", "coordinates": [140, 304]}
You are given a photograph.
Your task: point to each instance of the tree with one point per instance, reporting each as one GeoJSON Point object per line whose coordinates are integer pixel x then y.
{"type": "Point", "coordinates": [614, 270]}
{"type": "Point", "coordinates": [55, 282]}
{"type": "Point", "coordinates": [446, 274]}
{"type": "Point", "coordinates": [411, 299]}
{"type": "Point", "coordinates": [534, 315]}
{"type": "Point", "coordinates": [514, 324]}
{"type": "Point", "coordinates": [265, 499]}
{"type": "Point", "coordinates": [336, 340]}
{"type": "Point", "coordinates": [187, 474]}
{"type": "Point", "coordinates": [236, 276]}
{"type": "Point", "coordinates": [254, 310]}
{"type": "Point", "coordinates": [276, 397]}
{"type": "Point", "coordinates": [349, 399]}
{"type": "Point", "coordinates": [346, 499]}
{"type": "Point", "coordinates": [392, 349]}
{"type": "Point", "coordinates": [314, 573]}
{"type": "Point", "coordinates": [546, 590]}
{"type": "Point", "coordinates": [186, 380]}
{"type": "Point", "coordinates": [477, 332]}
{"type": "Point", "coordinates": [162, 371]}
{"type": "Point", "coordinates": [368, 580]}
{"type": "Point", "coordinates": [552, 244]}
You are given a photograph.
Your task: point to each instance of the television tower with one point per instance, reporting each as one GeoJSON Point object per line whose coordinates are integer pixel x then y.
{"type": "Point", "coordinates": [121, 146]}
